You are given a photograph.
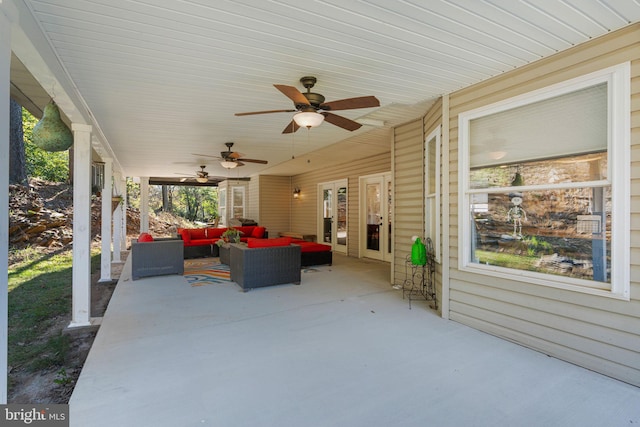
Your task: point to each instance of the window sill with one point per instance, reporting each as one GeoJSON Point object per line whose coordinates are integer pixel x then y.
{"type": "Point", "coordinates": [529, 277]}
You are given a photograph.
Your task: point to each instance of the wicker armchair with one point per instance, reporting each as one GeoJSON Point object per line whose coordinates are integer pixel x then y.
{"type": "Point", "coordinates": [258, 267]}
{"type": "Point", "coordinates": [157, 258]}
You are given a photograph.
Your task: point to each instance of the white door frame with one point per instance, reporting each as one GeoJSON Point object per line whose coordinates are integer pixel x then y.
{"type": "Point", "coordinates": [333, 186]}
{"type": "Point", "coordinates": [385, 250]}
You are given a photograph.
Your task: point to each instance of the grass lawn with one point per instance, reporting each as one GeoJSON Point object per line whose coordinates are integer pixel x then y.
{"type": "Point", "coordinates": [39, 299]}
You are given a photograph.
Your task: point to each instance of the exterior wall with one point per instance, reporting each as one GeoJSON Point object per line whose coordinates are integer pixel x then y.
{"type": "Point", "coordinates": [275, 199]}
{"type": "Point", "coordinates": [409, 190]}
{"type": "Point", "coordinates": [253, 200]}
{"type": "Point", "coordinates": [602, 334]}
{"type": "Point", "coordinates": [304, 210]}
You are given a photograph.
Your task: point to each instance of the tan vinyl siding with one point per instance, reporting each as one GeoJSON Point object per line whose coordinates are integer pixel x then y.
{"type": "Point", "coordinates": [304, 212]}
{"type": "Point", "coordinates": [599, 333]}
{"type": "Point", "coordinates": [408, 182]}
{"type": "Point", "coordinates": [275, 203]}
{"type": "Point", "coordinates": [409, 189]}
{"type": "Point", "coordinates": [253, 200]}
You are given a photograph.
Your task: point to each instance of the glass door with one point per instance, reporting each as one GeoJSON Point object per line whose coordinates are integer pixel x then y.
{"type": "Point", "coordinates": [376, 222]}
{"type": "Point", "coordinates": [333, 224]}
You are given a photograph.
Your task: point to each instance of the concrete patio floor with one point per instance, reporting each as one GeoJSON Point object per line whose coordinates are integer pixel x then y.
{"type": "Point", "coordinates": [341, 349]}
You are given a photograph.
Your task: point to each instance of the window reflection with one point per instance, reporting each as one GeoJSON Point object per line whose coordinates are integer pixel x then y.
{"type": "Point", "coordinates": [557, 227]}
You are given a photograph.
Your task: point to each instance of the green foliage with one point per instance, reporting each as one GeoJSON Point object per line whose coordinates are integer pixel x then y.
{"type": "Point", "coordinates": [192, 203]}
{"type": "Point", "coordinates": [50, 166]}
{"type": "Point", "coordinates": [62, 378]}
{"type": "Point", "coordinates": [537, 246]}
{"type": "Point", "coordinates": [39, 295]}
{"type": "Point", "coordinates": [509, 260]}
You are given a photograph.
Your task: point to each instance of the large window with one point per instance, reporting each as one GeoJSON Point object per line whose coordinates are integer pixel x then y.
{"type": "Point", "coordinates": [544, 186]}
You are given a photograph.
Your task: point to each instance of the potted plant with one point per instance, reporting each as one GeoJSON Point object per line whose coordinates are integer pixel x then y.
{"type": "Point", "coordinates": [115, 201]}
{"type": "Point", "coordinates": [230, 235]}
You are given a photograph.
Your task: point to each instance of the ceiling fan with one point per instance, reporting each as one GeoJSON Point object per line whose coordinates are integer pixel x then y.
{"type": "Point", "coordinates": [311, 110]}
{"type": "Point", "coordinates": [202, 176]}
{"type": "Point", "coordinates": [230, 159]}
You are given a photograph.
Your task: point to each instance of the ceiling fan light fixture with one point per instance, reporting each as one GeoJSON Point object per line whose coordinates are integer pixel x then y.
{"type": "Point", "coordinates": [308, 119]}
{"type": "Point", "coordinates": [202, 179]}
{"type": "Point", "coordinates": [228, 164]}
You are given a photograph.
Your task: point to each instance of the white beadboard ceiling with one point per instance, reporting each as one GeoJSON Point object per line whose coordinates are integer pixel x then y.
{"type": "Point", "coordinates": [161, 79]}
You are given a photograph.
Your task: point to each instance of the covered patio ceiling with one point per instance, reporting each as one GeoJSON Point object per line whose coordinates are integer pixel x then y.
{"type": "Point", "coordinates": [160, 80]}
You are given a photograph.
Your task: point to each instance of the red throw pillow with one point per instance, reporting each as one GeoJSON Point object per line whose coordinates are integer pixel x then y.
{"type": "Point", "coordinates": [268, 243]}
{"type": "Point", "coordinates": [198, 233]}
{"type": "Point", "coordinates": [145, 237]}
{"type": "Point", "coordinates": [186, 237]}
{"type": "Point", "coordinates": [258, 232]}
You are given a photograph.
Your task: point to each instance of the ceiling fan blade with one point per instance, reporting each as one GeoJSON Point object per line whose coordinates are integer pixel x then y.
{"type": "Point", "coordinates": [265, 112]}
{"type": "Point", "coordinates": [262, 162]}
{"type": "Point", "coordinates": [231, 155]}
{"type": "Point", "coordinates": [351, 103]}
{"type": "Point", "coordinates": [205, 155]}
{"type": "Point", "coordinates": [293, 94]}
{"type": "Point", "coordinates": [342, 122]}
{"type": "Point", "coordinates": [291, 127]}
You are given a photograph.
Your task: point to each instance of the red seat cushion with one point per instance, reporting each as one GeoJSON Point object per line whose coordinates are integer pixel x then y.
{"type": "Point", "coordinates": [145, 237]}
{"type": "Point", "coordinates": [312, 247]}
{"type": "Point", "coordinates": [268, 243]}
{"type": "Point", "coordinates": [258, 232]}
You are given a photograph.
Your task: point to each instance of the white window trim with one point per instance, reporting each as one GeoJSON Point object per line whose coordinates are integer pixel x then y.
{"type": "Point", "coordinates": [619, 137]}
{"type": "Point", "coordinates": [222, 206]}
{"type": "Point", "coordinates": [435, 134]}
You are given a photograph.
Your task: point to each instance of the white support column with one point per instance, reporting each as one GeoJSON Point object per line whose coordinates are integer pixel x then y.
{"type": "Point", "coordinates": [81, 273]}
{"type": "Point", "coordinates": [117, 219]}
{"type": "Point", "coordinates": [144, 204]}
{"type": "Point", "coordinates": [123, 209]}
{"type": "Point", "coordinates": [7, 15]}
{"type": "Point", "coordinates": [105, 233]}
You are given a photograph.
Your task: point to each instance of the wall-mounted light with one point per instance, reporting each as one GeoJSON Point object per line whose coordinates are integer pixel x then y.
{"type": "Point", "coordinates": [296, 193]}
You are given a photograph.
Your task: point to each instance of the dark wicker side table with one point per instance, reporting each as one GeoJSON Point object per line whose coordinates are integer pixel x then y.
{"type": "Point", "coordinates": [224, 254]}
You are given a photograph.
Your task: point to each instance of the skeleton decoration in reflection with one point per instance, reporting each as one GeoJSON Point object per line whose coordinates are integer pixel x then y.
{"type": "Point", "coordinates": [517, 215]}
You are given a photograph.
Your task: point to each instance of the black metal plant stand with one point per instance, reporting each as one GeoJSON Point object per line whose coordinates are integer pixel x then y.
{"type": "Point", "coordinates": [420, 280]}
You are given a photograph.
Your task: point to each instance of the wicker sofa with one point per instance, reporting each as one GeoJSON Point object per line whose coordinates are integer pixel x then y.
{"type": "Point", "coordinates": [201, 242]}
{"type": "Point", "coordinates": [156, 258]}
{"type": "Point", "coordinates": [264, 266]}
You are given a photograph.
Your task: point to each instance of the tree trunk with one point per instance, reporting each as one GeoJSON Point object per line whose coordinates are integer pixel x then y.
{"type": "Point", "coordinates": [167, 202]}
{"type": "Point", "coordinates": [17, 164]}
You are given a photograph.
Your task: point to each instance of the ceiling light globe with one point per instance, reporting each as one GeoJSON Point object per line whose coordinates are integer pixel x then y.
{"type": "Point", "coordinates": [228, 165]}
{"type": "Point", "coordinates": [308, 119]}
